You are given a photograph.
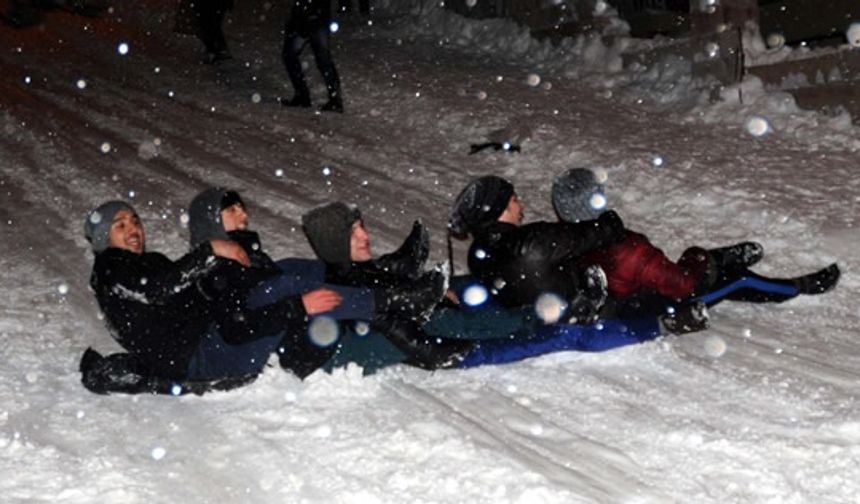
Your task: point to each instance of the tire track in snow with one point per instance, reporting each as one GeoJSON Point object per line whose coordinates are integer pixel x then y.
{"type": "Point", "coordinates": [584, 467]}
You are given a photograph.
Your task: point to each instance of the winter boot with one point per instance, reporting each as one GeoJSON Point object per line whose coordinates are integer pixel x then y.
{"type": "Point", "coordinates": [585, 306]}
{"type": "Point", "coordinates": [422, 350]}
{"type": "Point", "coordinates": [819, 282]}
{"type": "Point", "coordinates": [740, 255]}
{"type": "Point", "coordinates": [412, 300]}
{"type": "Point", "coordinates": [298, 100]}
{"type": "Point", "coordinates": [686, 318]}
{"type": "Point", "coordinates": [409, 259]}
{"type": "Point", "coordinates": [334, 104]}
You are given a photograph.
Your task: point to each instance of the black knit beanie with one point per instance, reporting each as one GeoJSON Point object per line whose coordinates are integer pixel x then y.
{"type": "Point", "coordinates": [482, 202]}
{"type": "Point", "coordinates": [204, 214]}
{"type": "Point", "coordinates": [329, 228]}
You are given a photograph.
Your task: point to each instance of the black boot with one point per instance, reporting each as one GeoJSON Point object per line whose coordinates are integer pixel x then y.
{"type": "Point", "coordinates": [334, 104]}
{"type": "Point", "coordinates": [819, 282]}
{"type": "Point", "coordinates": [585, 306]}
{"type": "Point", "coordinates": [409, 259]}
{"type": "Point", "coordinates": [296, 101]}
{"type": "Point", "coordinates": [424, 351]}
{"type": "Point", "coordinates": [686, 318]}
{"type": "Point", "coordinates": [410, 300]}
{"type": "Point", "coordinates": [740, 255]}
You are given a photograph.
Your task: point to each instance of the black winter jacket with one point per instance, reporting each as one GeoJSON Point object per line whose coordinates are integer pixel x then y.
{"type": "Point", "coordinates": [520, 263]}
{"type": "Point", "coordinates": [153, 306]}
{"type": "Point", "coordinates": [158, 309]}
{"type": "Point", "coordinates": [308, 16]}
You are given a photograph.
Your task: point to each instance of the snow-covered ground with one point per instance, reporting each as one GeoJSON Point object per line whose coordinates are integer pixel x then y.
{"type": "Point", "coordinates": [763, 407]}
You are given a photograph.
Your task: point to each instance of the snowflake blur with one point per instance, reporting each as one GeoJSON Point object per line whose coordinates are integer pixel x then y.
{"type": "Point", "coordinates": [323, 331]}
{"type": "Point", "coordinates": [550, 307]}
{"type": "Point", "coordinates": [758, 126]}
{"type": "Point", "coordinates": [853, 35]}
{"type": "Point", "coordinates": [475, 295]}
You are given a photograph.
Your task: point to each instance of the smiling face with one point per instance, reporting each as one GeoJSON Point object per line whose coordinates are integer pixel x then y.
{"type": "Point", "coordinates": [359, 243]}
{"type": "Point", "coordinates": [126, 232]}
{"type": "Point", "coordinates": [514, 212]}
{"type": "Point", "coordinates": [234, 217]}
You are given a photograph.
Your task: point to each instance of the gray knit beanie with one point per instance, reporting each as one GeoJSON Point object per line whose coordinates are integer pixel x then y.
{"type": "Point", "coordinates": [329, 228]}
{"type": "Point", "coordinates": [578, 196]}
{"type": "Point", "coordinates": [98, 223]}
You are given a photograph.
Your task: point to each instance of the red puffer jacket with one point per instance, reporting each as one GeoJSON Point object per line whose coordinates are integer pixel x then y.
{"type": "Point", "coordinates": [633, 266]}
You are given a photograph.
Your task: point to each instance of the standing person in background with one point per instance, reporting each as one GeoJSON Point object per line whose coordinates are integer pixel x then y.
{"type": "Point", "coordinates": [210, 15]}
{"type": "Point", "coordinates": [310, 20]}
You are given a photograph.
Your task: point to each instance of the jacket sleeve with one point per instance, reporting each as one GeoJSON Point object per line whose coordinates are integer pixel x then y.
{"type": "Point", "coordinates": [559, 242]}
{"type": "Point", "coordinates": [150, 278]}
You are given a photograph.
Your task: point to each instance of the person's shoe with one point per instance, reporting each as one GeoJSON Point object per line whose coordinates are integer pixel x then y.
{"type": "Point", "coordinates": [739, 255]}
{"type": "Point", "coordinates": [819, 282]}
{"type": "Point", "coordinates": [686, 318]}
{"type": "Point", "coordinates": [585, 307]}
{"type": "Point", "coordinates": [422, 350]}
{"type": "Point", "coordinates": [409, 259]}
{"type": "Point", "coordinates": [296, 101]}
{"type": "Point", "coordinates": [334, 104]}
{"type": "Point", "coordinates": [211, 58]}
{"type": "Point", "coordinates": [413, 300]}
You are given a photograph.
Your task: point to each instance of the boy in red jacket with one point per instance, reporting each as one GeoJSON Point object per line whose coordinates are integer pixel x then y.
{"type": "Point", "coordinates": [639, 274]}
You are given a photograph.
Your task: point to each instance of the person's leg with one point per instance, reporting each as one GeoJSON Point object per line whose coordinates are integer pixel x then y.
{"type": "Point", "coordinates": [598, 337]}
{"type": "Point", "coordinates": [303, 275]}
{"type": "Point", "coordinates": [291, 56]}
{"type": "Point", "coordinates": [214, 358]}
{"type": "Point", "coordinates": [753, 288]}
{"type": "Point", "coordinates": [209, 32]}
{"type": "Point", "coordinates": [320, 44]}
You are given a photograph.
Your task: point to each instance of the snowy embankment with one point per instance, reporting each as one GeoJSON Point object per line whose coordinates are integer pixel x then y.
{"type": "Point", "coordinates": [761, 408]}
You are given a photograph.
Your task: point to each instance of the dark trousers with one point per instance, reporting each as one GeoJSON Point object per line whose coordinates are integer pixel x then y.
{"type": "Point", "coordinates": [293, 45]}
{"type": "Point", "coordinates": [346, 6]}
{"type": "Point", "coordinates": [211, 26]}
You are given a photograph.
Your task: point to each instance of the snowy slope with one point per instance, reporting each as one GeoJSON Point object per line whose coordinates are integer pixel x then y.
{"type": "Point", "coordinates": [761, 408]}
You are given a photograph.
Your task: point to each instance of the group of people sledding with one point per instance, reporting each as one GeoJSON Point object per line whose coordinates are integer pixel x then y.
{"type": "Point", "coordinates": [212, 318]}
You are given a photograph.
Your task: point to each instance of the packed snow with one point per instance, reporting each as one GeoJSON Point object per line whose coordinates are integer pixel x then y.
{"type": "Point", "coordinates": [762, 407]}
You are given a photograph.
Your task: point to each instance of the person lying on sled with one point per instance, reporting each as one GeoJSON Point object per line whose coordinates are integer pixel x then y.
{"type": "Point", "coordinates": [181, 324]}
{"type": "Point", "coordinates": [455, 336]}
{"type": "Point", "coordinates": [219, 213]}
{"type": "Point", "coordinates": [641, 279]}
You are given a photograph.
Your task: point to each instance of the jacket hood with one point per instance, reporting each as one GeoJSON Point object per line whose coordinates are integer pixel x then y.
{"type": "Point", "coordinates": [204, 216]}
{"type": "Point", "coordinates": [328, 229]}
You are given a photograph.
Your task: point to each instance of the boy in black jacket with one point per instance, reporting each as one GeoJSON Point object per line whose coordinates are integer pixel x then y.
{"type": "Point", "coordinates": [175, 317]}
{"type": "Point", "coordinates": [219, 213]}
